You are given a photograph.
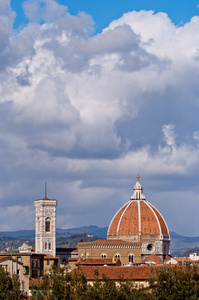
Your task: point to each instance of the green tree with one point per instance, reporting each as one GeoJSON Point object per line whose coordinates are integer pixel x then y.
{"type": "Point", "coordinates": [61, 284]}
{"type": "Point", "coordinates": [9, 287]}
{"type": "Point", "coordinates": [173, 283]}
{"type": "Point", "coordinates": [54, 285]}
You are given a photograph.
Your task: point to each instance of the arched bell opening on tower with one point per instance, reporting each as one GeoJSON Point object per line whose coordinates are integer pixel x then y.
{"type": "Point", "coordinates": [47, 225]}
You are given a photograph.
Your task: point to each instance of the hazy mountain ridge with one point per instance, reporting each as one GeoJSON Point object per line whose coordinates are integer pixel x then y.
{"type": "Point", "coordinates": [30, 234]}
{"type": "Point", "coordinates": [179, 243]}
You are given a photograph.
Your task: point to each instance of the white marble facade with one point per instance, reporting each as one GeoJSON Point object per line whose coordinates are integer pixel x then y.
{"type": "Point", "coordinates": [45, 226]}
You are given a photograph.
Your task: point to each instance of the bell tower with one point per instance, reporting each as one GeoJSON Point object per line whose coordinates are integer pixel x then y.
{"type": "Point", "coordinates": [45, 225]}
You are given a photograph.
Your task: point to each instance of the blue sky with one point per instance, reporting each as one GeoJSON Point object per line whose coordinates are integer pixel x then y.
{"type": "Point", "coordinates": [88, 100]}
{"type": "Point", "coordinates": [104, 11]}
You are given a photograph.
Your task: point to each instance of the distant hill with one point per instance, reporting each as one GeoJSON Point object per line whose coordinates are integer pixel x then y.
{"type": "Point", "coordinates": [188, 252]}
{"type": "Point", "coordinates": [30, 234]}
{"type": "Point", "coordinates": [101, 232]}
{"type": "Point", "coordinates": [71, 241]}
{"type": "Point", "coordinates": [179, 243]}
{"type": "Point", "coordinates": [22, 234]}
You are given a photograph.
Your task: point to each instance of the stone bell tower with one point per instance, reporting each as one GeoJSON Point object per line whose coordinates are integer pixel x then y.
{"type": "Point", "coordinates": [45, 225]}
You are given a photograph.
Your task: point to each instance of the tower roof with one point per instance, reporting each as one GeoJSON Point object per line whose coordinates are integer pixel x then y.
{"type": "Point", "coordinates": [137, 217]}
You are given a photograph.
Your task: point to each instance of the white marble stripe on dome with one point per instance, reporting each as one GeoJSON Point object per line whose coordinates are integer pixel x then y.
{"type": "Point", "coordinates": [139, 218]}
{"type": "Point", "coordinates": [114, 218]}
{"type": "Point", "coordinates": [152, 209]}
{"type": "Point", "coordinates": [162, 218]}
{"type": "Point", "coordinates": [118, 227]}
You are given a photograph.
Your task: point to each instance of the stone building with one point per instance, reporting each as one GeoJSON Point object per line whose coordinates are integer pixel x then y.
{"type": "Point", "coordinates": [45, 226]}
{"type": "Point", "coordinates": [13, 266]}
{"type": "Point", "coordinates": [136, 231]}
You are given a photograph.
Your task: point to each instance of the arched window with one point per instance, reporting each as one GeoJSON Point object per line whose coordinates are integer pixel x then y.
{"type": "Point", "coordinates": [117, 255]}
{"type": "Point", "coordinates": [47, 225]}
{"type": "Point", "coordinates": [103, 255]}
{"type": "Point", "coordinates": [49, 246]}
{"type": "Point", "coordinates": [130, 258]}
{"type": "Point", "coordinates": [45, 245]}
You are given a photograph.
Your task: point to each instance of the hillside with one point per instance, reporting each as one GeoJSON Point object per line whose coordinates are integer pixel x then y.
{"type": "Point", "coordinates": [69, 238]}
{"type": "Point", "coordinates": [180, 244]}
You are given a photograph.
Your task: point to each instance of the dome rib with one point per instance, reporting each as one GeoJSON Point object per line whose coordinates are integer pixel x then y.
{"type": "Point", "coordinates": [129, 223]}
{"type": "Point", "coordinates": [112, 230]}
{"type": "Point", "coordinates": [163, 224]}
{"type": "Point", "coordinates": [160, 229]}
{"type": "Point", "coordinates": [139, 219]}
{"type": "Point", "coordinates": [118, 227]}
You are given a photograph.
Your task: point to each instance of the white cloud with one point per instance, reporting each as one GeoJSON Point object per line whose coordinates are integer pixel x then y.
{"type": "Point", "coordinates": [88, 112]}
{"type": "Point", "coordinates": [168, 131]}
{"type": "Point", "coordinates": [13, 216]}
{"type": "Point", "coordinates": [46, 10]}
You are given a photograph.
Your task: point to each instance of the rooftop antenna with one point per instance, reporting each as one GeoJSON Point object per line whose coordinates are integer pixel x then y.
{"type": "Point", "coordinates": [45, 190]}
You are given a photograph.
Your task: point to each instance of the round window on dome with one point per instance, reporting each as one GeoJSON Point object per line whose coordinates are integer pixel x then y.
{"type": "Point", "coordinates": [150, 247]}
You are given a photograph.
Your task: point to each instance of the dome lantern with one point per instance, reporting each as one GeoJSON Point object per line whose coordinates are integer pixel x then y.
{"type": "Point", "coordinates": [138, 191]}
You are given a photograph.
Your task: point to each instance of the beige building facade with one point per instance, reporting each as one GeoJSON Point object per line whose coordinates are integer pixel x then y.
{"type": "Point", "coordinates": [13, 266]}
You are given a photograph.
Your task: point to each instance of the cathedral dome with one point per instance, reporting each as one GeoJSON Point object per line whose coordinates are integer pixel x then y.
{"type": "Point", "coordinates": [137, 218]}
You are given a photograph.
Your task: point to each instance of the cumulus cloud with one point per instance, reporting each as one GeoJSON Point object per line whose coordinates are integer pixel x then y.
{"type": "Point", "coordinates": [86, 112]}
{"type": "Point", "coordinates": [43, 10]}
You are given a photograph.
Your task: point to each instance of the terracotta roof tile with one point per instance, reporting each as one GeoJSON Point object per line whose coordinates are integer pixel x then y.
{"type": "Point", "coordinates": [185, 259]}
{"type": "Point", "coordinates": [163, 225]}
{"type": "Point", "coordinates": [99, 261]}
{"type": "Point", "coordinates": [153, 259]}
{"type": "Point", "coordinates": [114, 223]}
{"type": "Point", "coordinates": [126, 221]}
{"type": "Point", "coordinates": [114, 241]}
{"type": "Point", "coordinates": [116, 273]}
{"type": "Point", "coordinates": [48, 256]}
{"type": "Point", "coordinates": [73, 259]}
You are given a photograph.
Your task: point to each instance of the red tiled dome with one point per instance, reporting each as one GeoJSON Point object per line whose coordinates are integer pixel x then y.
{"type": "Point", "coordinates": [137, 217]}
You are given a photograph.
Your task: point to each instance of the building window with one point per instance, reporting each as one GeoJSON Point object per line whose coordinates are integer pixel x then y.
{"type": "Point", "coordinates": [34, 273]}
{"type": "Point", "coordinates": [48, 262]}
{"type": "Point", "coordinates": [103, 255]}
{"type": "Point", "coordinates": [25, 270]}
{"type": "Point", "coordinates": [18, 271]}
{"type": "Point", "coordinates": [130, 258]}
{"type": "Point", "coordinates": [4, 267]}
{"type": "Point", "coordinates": [150, 247]}
{"type": "Point", "coordinates": [47, 225]}
{"type": "Point", "coordinates": [45, 245]}
{"type": "Point", "coordinates": [117, 255]}
{"type": "Point", "coordinates": [49, 246]}
{"type": "Point", "coordinates": [19, 258]}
